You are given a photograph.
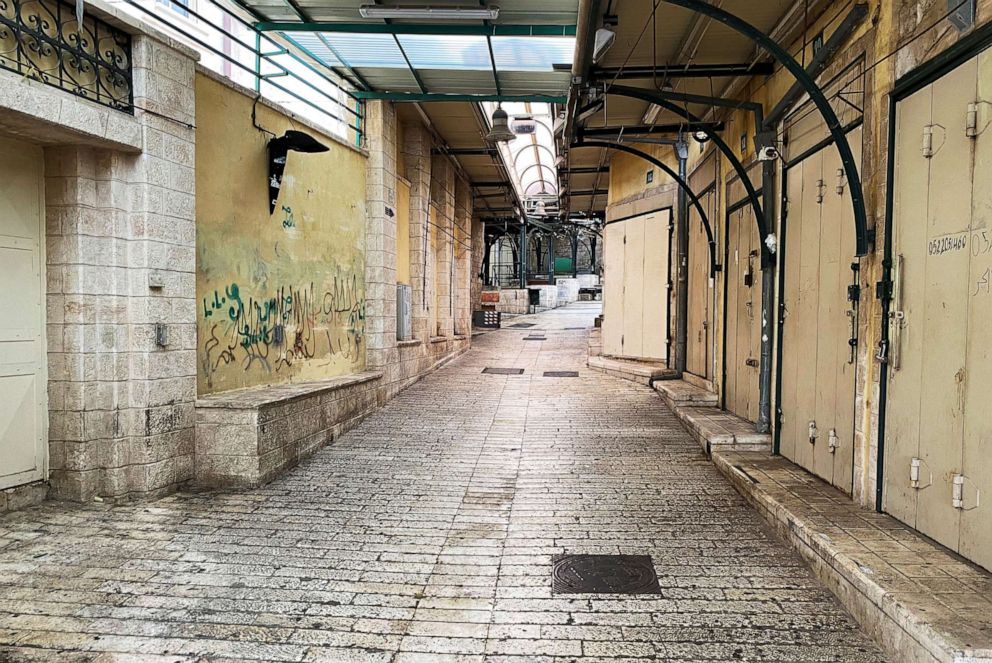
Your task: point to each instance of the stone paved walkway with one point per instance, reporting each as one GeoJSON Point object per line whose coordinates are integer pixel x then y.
{"type": "Point", "coordinates": [426, 534]}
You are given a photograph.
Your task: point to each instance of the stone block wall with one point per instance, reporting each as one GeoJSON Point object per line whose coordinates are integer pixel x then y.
{"type": "Point", "coordinates": [516, 301]}
{"type": "Point", "coordinates": [121, 259]}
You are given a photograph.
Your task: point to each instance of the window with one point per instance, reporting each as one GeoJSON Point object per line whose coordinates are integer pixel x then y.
{"type": "Point", "coordinates": [181, 7]}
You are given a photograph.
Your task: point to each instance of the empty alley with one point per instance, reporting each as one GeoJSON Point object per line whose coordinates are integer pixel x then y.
{"type": "Point", "coordinates": [427, 533]}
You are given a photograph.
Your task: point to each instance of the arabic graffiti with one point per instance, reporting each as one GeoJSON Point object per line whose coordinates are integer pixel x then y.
{"type": "Point", "coordinates": [290, 325]}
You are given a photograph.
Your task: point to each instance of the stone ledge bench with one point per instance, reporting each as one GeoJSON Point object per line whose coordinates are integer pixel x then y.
{"type": "Point", "coordinates": [920, 601]}
{"type": "Point", "coordinates": [247, 437]}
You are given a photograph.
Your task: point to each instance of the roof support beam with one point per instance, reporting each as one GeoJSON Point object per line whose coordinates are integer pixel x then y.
{"type": "Point", "coordinates": [584, 170]}
{"type": "Point", "coordinates": [642, 129]}
{"type": "Point", "coordinates": [654, 97]}
{"type": "Point", "coordinates": [474, 98]}
{"type": "Point", "coordinates": [467, 151]}
{"type": "Point", "coordinates": [853, 19]}
{"type": "Point", "coordinates": [418, 29]}
{"type": "Point", "coordinates": [684, 71]}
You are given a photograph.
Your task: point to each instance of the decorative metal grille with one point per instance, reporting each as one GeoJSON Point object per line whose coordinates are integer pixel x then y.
{"type": "Point", "coordinates": [41, 39]}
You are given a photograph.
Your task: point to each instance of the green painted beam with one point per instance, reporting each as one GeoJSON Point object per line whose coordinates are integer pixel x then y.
{"type": "Point", "coordinates": [419, 29]}
{"type": "Point", "coordinates": [441, 96]}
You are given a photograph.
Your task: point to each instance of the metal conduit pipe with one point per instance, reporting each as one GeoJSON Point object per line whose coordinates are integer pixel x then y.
{"type": "Point", "coordinates": [682, 260]}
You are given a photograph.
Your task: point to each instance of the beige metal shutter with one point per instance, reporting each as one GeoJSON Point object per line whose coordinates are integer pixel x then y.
{"type": "Point", "coordinates": [938, 429]}
{"type": "Point", "coordinates": [635, 277]}
{"type": "Point", "coordinates": [701, 286]}
{"type": "Point", "coordinates": [742, 315]}
{"type": "Point", "coordinates": [818, 367]}
{"type": "Point", "coordinates": [23, 375]}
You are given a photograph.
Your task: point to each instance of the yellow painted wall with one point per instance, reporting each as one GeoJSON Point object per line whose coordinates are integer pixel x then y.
{"type": "Point", "coordinates": [628, 173]}
{"type": "Point", "coordinates": [303, 267]}
{"type": "Point", "coordinates": [402, 231]}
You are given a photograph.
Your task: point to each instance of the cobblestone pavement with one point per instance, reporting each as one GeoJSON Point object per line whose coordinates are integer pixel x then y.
{"type": "Point", "coordinates": [426, 534]}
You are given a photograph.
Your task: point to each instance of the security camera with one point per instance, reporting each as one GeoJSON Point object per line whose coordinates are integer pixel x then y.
{"type": "Point", "coordinates": [768, 153]}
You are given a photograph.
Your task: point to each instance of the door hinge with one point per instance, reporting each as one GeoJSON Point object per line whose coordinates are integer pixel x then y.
{"type": "Point", "coordinates": [957, 493]}
{"type": "Point", "coordinates": [840, 181]}
{"type": "Point", "coordinates": [812, 432]}
{"type": "Point", "coordinates": [971, 121]}
{"type": "Point", "coordinates": [820, 186]}
{"type": "Point", "coordinates": [832, 440]}
{"type": "Point", "coordinates": [883, 291]}
{"type": "Point", "coordinates": [854, 293]}
{"type": "Point", "coordinates": [927, 141]}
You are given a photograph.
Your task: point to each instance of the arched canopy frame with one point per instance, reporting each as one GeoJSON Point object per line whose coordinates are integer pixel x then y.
{"type": "Point", "coordinates": [675, 176]}
{"type": "Point", "coordinates": [816, 95]}
{"type": "Point", "coordinates": [759, 216]}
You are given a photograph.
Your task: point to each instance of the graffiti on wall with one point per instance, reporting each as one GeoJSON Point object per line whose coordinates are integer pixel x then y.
{"type": "Point", "coordinates": [280, 298]}
{"type": "Point", "coordinates": [291, 324]}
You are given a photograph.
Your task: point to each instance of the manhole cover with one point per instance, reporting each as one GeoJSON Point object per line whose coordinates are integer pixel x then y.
{"type": "Point", "coordinates": [604, 574]}
{"type": "Point", "coordinates": [561, 374]}
{"type": "Point", "coordinates": [503, 371]}
{"type": "Point", "coordinates": [522, 325]}
{"type": "Point", "coordinates": [575, 328]}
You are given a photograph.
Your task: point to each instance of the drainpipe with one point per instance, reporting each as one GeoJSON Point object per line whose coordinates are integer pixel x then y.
{"type": "Point", "coordinates": [682, 259]}
{"type": "Point", "coordinates": [767, 139]}
{"type": "Point", "coordinates": [575, 254]}
{"type": "Point", "coordinates": [551, 259]}
{"type": "Point", "coordinates": [523, 255]}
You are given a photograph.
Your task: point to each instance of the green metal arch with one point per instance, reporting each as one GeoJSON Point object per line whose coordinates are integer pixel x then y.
{"type": "Point", "coordinates": [675, 176]}
{"type": "Point", "coordinates": [815, 94]}
{"type": "Point", "coordinates": [759, 216]}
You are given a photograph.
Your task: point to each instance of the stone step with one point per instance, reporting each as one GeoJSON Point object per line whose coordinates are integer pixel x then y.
{"type": "Point", "coordinates": [716, 429]}
{"type": "Point", "coordinates": [637, 371]}
{"type": "Point", "coordinates": [917, 599]}
{"type": "Point", "coordinates": [679, 393]}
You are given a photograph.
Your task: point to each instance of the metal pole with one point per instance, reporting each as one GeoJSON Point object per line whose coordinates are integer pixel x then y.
{"type": "Point", "coordinates": [682, 260]}
{"type": "Point", "coordinates": [767, 295]}
{"type": "Point", "coordinates": [523, 255]}
{"type": "Point", "coordinates": [575, 254]}
{"type": "Point", "coordinates": [592, 255]}
{"type": "Point", "coordinates": [551, 258]}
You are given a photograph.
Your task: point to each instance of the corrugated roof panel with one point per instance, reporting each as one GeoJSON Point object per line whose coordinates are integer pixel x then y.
{"type": "Point", "coordinates": [447, 52]}
{"type": "Point", "coordinates": [532, 53]}
{"type": "Point", "coordinates": [366, 50]}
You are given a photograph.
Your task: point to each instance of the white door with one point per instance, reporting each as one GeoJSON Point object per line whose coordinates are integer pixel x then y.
{"type": "Point", "coordinates": [23, 376]}
{"type": "Point", "coordinates": [635, 276]}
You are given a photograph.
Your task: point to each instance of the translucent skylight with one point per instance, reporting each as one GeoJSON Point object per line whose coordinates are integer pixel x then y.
{"type": "Point", "coordinates": [531, 159]}
{"type": "Point", "coordinates": [453, 52]}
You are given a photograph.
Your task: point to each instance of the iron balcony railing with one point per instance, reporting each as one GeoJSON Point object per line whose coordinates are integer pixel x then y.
{"type": "Point", "coordinates": [42, 40]}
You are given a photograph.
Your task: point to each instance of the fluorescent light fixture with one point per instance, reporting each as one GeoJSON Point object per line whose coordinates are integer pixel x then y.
{"type": "Point", "coordinates": [442, 13]}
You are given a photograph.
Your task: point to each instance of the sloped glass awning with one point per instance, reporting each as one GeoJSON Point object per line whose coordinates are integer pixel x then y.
{"type": "Point", "coordinates": [510, 59]}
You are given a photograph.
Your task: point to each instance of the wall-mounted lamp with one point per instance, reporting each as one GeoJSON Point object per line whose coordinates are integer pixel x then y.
{"type": "Point", "coordinates": [278, 148]}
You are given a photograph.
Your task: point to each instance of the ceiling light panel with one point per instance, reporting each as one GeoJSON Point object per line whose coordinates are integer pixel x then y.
{"type": "Point", "coordinates": [437, 13]}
